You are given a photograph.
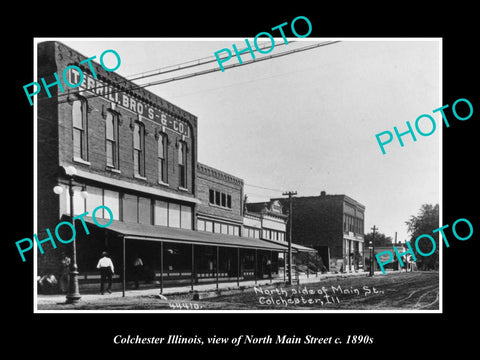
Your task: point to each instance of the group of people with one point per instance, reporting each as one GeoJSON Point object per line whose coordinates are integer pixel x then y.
{"type": "Point", "coordinates": [106, 268]}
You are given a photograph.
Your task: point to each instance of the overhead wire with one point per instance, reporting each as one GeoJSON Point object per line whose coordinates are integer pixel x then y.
{"type": "Point", "coordinates": [161, 71]}
{"type": "Point", "coordinates": [132, 77]}
{"type": "Point", "coordinates": [208, 71]}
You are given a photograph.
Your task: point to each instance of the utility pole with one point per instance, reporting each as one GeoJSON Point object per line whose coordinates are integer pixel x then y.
{"type": "Point", "coordinates": [290, 214]}
{"type": "Point", "coordinates": [372, 263]}
{"type": "Point", "coordinates": [396, 262]}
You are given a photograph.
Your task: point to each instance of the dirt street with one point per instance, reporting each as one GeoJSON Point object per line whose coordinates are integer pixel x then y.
{"type": "Point", "coordinates": [405, 291]}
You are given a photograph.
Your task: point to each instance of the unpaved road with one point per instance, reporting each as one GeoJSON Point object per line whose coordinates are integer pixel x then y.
{"type": "Point", "coordinates": [405, 291]}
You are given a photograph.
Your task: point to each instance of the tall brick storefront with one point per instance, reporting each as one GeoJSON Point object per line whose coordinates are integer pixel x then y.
{"type": "Point", "coordinates": [332, 224]}
{"type": "Point", "coordinates": [135, 153]}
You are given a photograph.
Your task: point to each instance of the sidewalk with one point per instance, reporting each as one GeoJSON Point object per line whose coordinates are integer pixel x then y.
{"type": "Point", "coordinates": [203, 290]}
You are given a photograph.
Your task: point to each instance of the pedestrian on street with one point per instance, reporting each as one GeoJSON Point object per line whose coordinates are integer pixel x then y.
{"type": "Point", "coordinates": [105, 266]}
{"type": "Point", "coordinates": [64, 273]}
{"type": "Point", "coordinates": [137, 270]}
{"type": "Point", "coordinates": [210, 267]}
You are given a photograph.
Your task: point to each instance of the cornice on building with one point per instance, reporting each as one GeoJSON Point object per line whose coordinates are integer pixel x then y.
{"type": "Point", "coordinates": [121, 83]}
{"type": "Point", "coordinates": [218, 174]}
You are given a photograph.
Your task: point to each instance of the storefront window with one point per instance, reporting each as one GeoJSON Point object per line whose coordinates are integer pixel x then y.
{"type": "Point", "coordinates": [209, 226]}
{"type": "Point", "coordinates": [144, 211]}
{"type": "Point", "coordinates": [186, 217]}
{"type": "Point", "coordinates": [224, 228]}
{"type": "Point", "coordinates": [112, 200]}
{"type": "Point", "coordinates": [174, 215]}
{"type": "Point", "coordinates": [161, 213]}
{"type": "Point", "coordinates": [130, 208]}
{"type": "Point", "coordinates": [94, 199]}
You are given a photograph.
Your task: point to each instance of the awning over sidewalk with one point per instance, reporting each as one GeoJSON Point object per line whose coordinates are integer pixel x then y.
{"type": "Point", "coordinates": [301, 248]}
{"type": "Point", "coordinates": [295, 247]}
{"type": "Point", "coordinates": [168, 234]}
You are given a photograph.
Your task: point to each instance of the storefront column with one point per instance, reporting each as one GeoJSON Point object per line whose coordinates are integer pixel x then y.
{"type": "Point", "coordinates": [238, 267]}
{"type": "Point", "coordinates": [123, 268]}
{"type": "Point", "coordinates": [284, 267]}
{"type": "Point", "coordinates": [255, 267]}
{"type": "Point", "coordinates": [193, 264]}
{"type": "Point", "coordinates": [308, 261]}
{"type": "Point", "coordinates": [161, 267]}
{"type": "Point", "coordinates": [216, 267]}
{"type": "Point", "coordinates": [270, 267]}
{"type": "Point", "coordinates": [316, 264]}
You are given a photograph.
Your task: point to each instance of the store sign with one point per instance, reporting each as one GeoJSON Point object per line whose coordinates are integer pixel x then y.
{"type": "Point", "coordinates": [128, 102]}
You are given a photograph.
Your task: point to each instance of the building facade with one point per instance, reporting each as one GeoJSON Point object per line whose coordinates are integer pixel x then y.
{"type": "Point", "coordinates": [331, 224]}
{"type": "Point", "coordinates": [221, 196]}
{"type": "Point", "coordinates": [265, 220]}
{"type": "Point", "coordinates": [135, 153]}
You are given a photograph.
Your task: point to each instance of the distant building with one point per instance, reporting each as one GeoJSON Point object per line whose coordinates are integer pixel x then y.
{"type": "Point", "coordinates": [265, 220]}
{"type": "Point", "coordinates": [331, 224]}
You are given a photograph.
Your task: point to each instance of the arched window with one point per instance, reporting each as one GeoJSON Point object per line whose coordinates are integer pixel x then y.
{"type": "Point", "coordinates": [162, 158]}
{"type": "Point", "coordinates": [79, 119]}
{"type": "Point", "coordinates": [138, 149]}
{"type": "Point", "coordinates": [111, 139]}
{"type": "Point", "coordinates": [182, 164]}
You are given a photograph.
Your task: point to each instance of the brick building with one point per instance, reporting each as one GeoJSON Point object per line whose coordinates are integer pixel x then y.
{"type": "Point", "coordinates": [135, 153]}
{"type": "Point", "coordinates": [221, 196]}
{"type": "Point", "coordinates": [331, 224]}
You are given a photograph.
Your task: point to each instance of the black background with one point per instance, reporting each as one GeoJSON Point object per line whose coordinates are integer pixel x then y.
{"type": "Point", "coordinates": [91, 334]}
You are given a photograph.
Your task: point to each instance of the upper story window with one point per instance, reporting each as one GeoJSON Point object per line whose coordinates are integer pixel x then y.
{"type": "Point", "coordinates": [79, 117]}
{"type": "Point", "coordinates": [162, 157]}
{"type": "Point", "coordinates": [111, 139]}
{"type": "Point", "coordinates": [218, 198]}
{"type": "Point", "coordinates": [138, 149]}
{"type": "Point", "coordinates": [182, 164]}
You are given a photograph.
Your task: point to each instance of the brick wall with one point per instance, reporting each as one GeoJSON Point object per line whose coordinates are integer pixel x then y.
{"type": "Point", "coordinates": [210, 178]}
{"type": "Point", "coordinates": [55, 137]}
{"type": "Point", "coordinates": [97, 107]}
{"type": "Point", "coordinates": [47, 163]}
{"type": "Point", "coordinates": [317, 221]}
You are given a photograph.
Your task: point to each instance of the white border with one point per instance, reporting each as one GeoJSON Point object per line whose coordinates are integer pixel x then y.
{"type": "Point", "coordinates": [299, 311]}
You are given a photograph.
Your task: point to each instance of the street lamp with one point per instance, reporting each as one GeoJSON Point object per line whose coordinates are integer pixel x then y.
{"type": "Point", "coordinates": [73, 294]}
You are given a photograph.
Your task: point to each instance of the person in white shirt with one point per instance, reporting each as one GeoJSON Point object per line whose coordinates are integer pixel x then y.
{"type": "Point", "coordinates": [105, 266]}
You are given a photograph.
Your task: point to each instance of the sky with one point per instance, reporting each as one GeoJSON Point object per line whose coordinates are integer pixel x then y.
{"type": "Point", "coordinates": [307, 121]}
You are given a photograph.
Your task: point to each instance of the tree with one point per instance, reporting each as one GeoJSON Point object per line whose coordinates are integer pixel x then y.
{"type": "Point", "coordinates": [380, 239]}
{"type": "Point", "coordinates": [425, 222]}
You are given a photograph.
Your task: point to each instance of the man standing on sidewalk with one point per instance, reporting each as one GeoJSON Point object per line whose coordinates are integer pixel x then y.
{"type": "Point", "coordinates": [106, 271]}
{"type": "Point", "coordinates": [65, 273]}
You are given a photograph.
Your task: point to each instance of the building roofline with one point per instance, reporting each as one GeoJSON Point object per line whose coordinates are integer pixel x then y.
{"type": "Point", "coordinates": [125, 85]}
{"type": "Point", "coordinates": [218, 174]}
{"type": "Point", "coordinates": [345, 197]}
